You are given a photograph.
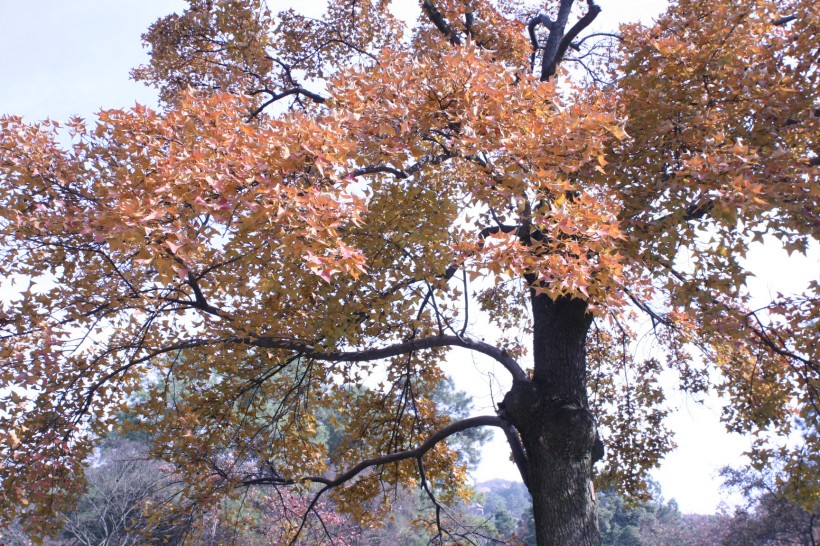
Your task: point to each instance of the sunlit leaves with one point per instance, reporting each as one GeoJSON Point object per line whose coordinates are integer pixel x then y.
{"type": "Point", "coordinates": [213, 45]}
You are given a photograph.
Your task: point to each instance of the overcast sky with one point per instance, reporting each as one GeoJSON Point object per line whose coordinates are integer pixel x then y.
{"type": "Point", "coordinates": [63, 58]}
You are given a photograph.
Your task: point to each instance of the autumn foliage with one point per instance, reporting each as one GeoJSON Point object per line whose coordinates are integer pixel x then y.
{"type": "Point", "coordinates": [317, 208]}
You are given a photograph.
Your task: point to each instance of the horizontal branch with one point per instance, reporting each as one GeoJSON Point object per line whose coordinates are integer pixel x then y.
{"type": "Point", "coordinates": [377, 169]}
{"type": "Point", "coordinates": [401, 174]}
{"type": "Point", "coordinates": [305, 350]}
{"type": "Point", "coordinates": [784, 20]}
{"type": "Point", "coordinates": [397, 349]}
{"type": "Point", "coordinates": [577, 45]}
{"type": "Point", "coordinates": [278, 96]}
{"type": "Point", "coordinates": [526, 234]}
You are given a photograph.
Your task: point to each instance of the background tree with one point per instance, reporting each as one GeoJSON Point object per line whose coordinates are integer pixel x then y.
{"type": "Point", "coordinates": [133, 499]}
{"type": "Point", "coordinates": [120, 483]}
{"type": "Point", "coordinates": [308, 218]}
{"type": "Point", "coordinates": [782, 507]}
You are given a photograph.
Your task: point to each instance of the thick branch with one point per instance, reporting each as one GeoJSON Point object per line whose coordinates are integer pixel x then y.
{"type": "Point", "coordinates": [583, 22]}
{"type": "Point", "coordinates": [550, 60]}
{"type": "Point", "coordinates": [699, 209]}
{"type": "Point", "coordinates": [278, 96]}
{"type": "Point", "coordinates": [440, 22]}
{"type": "Point", "coordinates": [558, 43]}
{"type": "Point", "coordinates": [392, 350]}
{"type": "Point", "coordinates": [784, 20]}
{"type": "Point", "coordinates": [526, 234]}
{"type": "Point", "coordinates": [469, 19]}
{"type": "Point", "coordinates": [503, 228]}
{"type": "Point", "coordinates": [541, 19]}
{"type": "Point", "coordinates": [200, 301]}
{"type": "Point", "coordinates": [374, 169]}
{"type": "Point", "coordinates": [308, 351]}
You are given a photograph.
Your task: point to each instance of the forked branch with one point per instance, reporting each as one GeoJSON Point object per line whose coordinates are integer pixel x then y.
{"type": "Point", "coordinates": [416, 453]}
{"type": "Point", "coordinates": [558, 41]}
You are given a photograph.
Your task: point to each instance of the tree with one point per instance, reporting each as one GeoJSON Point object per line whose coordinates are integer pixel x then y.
{"type": "Point", "coordinates": [319, 206]}
{"type": "Point", "coordinates": [120, 484]}
{"type": "Point", "coordinates": [782, 507]}
{"type": "Point", "coordinates": [649, 522]}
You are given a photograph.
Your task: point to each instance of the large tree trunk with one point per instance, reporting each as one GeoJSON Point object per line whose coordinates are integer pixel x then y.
{"type": "Point", "coordinates": [557, 430]}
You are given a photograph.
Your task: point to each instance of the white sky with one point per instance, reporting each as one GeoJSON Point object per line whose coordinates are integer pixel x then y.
{"type": "Point", "coordinates": [63, 58]}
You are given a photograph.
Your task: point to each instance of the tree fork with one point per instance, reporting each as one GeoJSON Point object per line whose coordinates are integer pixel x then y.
{"type": "Point", "coordinates": [558, 42]}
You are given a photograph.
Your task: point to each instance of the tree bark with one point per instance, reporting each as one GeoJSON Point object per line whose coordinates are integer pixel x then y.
{"type": "Point", "coordinates": [556, 427]}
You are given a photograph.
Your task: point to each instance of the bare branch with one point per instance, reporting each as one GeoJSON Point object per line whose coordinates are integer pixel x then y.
{"type": "Point", "coordinates": [577, 45]}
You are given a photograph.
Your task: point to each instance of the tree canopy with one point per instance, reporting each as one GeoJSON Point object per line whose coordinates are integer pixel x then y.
{"type": "Point", "coordinates": [321, 206]}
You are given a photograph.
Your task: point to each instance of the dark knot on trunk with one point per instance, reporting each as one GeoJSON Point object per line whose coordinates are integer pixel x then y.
{"type": "Point", "coordinates": [563, 426]}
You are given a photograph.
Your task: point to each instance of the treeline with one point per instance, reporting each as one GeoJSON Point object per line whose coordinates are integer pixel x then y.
{"type": "Point", "coordinates": [128, 493]}
{"type": "Point", "coordinates": [134, 498]}
{"type": "Point", "coordinates": [770, 518]}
